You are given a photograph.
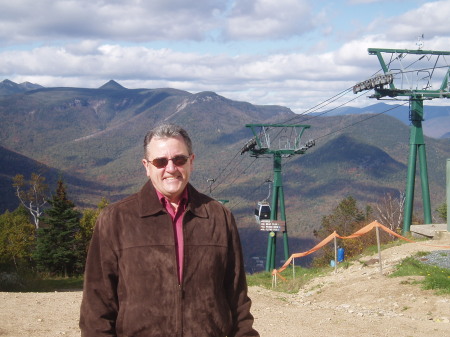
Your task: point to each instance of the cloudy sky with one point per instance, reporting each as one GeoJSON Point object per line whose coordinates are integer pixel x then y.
{"type": "Point", "coordinates": [296, 53]}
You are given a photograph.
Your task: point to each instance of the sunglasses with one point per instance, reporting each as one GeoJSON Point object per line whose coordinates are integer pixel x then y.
{"type": "Point", "coordinates": [179, 160]}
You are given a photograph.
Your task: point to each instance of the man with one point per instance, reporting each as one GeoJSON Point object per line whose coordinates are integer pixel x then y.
{"type": "Point", "coordinates": [167, 260]}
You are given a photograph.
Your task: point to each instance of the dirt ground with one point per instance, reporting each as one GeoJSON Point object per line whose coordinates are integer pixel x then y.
{"type": "Point", "coordinates": [357, 301]}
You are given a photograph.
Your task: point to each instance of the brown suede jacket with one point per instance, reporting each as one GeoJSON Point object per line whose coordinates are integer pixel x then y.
{"type": "Point", "coordinates": [131, 285]}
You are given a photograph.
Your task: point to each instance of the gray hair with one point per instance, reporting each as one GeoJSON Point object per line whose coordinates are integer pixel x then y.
{"type": "Point", "coordinates": [168, 131]}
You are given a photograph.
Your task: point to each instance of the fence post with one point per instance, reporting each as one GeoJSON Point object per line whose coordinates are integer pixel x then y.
{"type": "Point", "coordinates": [293, 268]}
{"type": "Point", "coordinates": [379, 248]}
{"type": "Point", "coordinates": [448, 195]}
{"type": "Point", "coordinates": [335, 254]}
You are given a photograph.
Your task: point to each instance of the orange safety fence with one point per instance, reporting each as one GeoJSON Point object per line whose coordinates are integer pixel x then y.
{"type": "Point", "coordinates": [333, 235]}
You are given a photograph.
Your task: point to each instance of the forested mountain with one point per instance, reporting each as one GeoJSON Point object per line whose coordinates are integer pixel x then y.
{"type": "Point", "coordinates": [12, 163]}
{"type": "Point", "coordinates": [93, 137]}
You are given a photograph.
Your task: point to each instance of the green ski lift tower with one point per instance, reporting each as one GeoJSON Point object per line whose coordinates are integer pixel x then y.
{"type": "Point", "coordinates": [280, 141]}
{"type": "Point", "coordinates": [417, 83]}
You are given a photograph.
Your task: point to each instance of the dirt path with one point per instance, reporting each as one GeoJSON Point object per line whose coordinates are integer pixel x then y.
{"type": "Point", "coordinates": [357, 301]}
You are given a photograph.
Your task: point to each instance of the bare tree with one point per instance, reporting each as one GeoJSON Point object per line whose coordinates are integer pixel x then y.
{"type": "Point", "coordinates": [32, 194]}
{"type": "Point", "coordinates": [390, 211]}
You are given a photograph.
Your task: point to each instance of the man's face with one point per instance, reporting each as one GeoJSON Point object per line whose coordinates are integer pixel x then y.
{"type": "Point", "coordinates": [171, 179]}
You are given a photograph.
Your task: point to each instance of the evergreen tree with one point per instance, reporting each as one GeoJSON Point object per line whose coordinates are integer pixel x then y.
{"type": "Point", "coordinates": [56, 247]}
{"type": "Point", "coordinates": [345, 219]}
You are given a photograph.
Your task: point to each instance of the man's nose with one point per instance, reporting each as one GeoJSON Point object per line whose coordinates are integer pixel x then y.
{"type": "Point", "coordinates": [171, 166]}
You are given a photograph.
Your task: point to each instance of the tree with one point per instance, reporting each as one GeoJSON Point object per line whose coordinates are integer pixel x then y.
{"type": "Point", "coordinates": [32, 194]}
{"type": "Point", "coordinates": [56, 246]}
{"type": "Point", "coordinates": [390, 211]}
{"type": "Point", "coordinates": [16, 237]}
{"type": "Point", "coordinates": [345, 219]}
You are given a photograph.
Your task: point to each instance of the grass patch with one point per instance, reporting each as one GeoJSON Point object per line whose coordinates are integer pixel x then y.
{"type": "Point", "coordinates": [434, 278]}
{"type": "Point", "coordinates": [35, 283]}
{"type": "Point", "coordinates": [293, 282]}
{"type": "Point", "coordinates": [55, 284]}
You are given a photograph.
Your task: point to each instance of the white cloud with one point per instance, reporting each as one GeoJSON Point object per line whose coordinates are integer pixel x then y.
{"type": "Point", "coordinates": [269, 19]}
{"type": "Point", "coordinates": [24, 21]}
{"type": "Point", "coordinates": [131, 20]}
{"type": "Point", "coordinates": [430, 19]}
{"type": "Point", "coordinates": [274, 79]}
{"type": "Point", "coordinates": [85, 47]}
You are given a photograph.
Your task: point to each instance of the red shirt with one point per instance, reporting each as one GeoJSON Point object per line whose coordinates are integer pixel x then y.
{"type": "Point", "coordinates": [177, 221]}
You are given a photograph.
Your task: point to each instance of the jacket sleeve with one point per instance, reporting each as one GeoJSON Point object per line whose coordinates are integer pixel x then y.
{"type": "Point", "coordinates": [236, 285]}
{"type": "Point", "coordinates": [99, 306]}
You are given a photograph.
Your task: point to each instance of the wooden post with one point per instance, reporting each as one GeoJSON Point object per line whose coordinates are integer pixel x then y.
{"type": "Point", "coordinates": [448, 195]}
{"type": "Point", "coordinates": [293, 268]}
{"type": "Point", "coordinates": [379, 249]}
{"type": "Point", "coordinates": [335, 254]}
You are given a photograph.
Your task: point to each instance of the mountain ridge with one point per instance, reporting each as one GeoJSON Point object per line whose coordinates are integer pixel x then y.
{"type": "Point", "coordinates": [96, 136]}
{"type": "Point", "coordinates": [8, 87]}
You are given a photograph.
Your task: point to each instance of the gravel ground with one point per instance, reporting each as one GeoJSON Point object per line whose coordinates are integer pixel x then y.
{"type": "Point", "coordinates": [355, 301]}
{"type": "Point", "coordinates": [440, 258]}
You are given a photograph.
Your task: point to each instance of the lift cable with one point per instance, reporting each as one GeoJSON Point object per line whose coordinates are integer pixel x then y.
{"type": "Point", "coordinates": [234, 169]}
{"type": "Point", "coordinates": [315, 108]}
{"type": "Point", "coordinates": [357, 122]}
{"type": "Point", "coordinates": [344, 92]}
{"type": "Point", "coordinates": [319, 137]}
{"type": "Point", "coordinates": [237, 176]}
{"type": "Point", "coordinates": [222, 171]}
{"type": "Point", "coordinates": [250, 193]}
{"type": "Point", "coordinates": [332, 109]}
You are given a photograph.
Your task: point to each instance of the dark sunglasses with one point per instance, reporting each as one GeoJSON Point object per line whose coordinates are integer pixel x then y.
{"type": "Point", "coordinates": [179, 160]}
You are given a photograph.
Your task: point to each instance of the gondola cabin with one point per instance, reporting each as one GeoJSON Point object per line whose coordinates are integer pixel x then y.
{"type": "Point", "coordinates": [262, 211]}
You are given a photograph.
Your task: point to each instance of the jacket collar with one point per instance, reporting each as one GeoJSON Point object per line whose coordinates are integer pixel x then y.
{"type": "Point", "coordinates": [149, 203]}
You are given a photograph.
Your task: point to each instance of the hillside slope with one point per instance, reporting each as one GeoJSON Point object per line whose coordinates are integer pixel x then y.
{"type": "Point", "coordinates": [13, 163]}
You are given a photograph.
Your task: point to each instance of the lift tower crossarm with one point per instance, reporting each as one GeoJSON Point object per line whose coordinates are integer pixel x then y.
{"type": "Point", "coordinates": [264, 143]}
{"type": "Point", "coordinates": [443, 91]}
{"type": "Point", "coordinates": [374, 51]}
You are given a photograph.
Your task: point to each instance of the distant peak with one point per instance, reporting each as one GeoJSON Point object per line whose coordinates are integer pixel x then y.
{"type": "Point", "coordinates": [9, 83]}
{"type": "Point", "coordinates": [8, 87]}
{"type": "Point", "coordinates": [112, 85]}
{"type": "Point", "coordinates": [30, 86]}
{"type": "Point", "coordinates": [207, 94]}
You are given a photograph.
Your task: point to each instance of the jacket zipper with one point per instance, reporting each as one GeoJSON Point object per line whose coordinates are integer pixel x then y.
{"type": "Point", "coordinates": [180, 291]}
{"type": "Point", "coordinates": [181, 294]}
{"type": "Point", "coordinates": [179, 324]}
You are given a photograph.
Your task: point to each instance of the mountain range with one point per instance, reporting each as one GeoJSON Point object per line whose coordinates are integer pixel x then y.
{"type": "Point", "coordinates": [93, 139]}
{"type": "Point", "coordinates": [8, 87]}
